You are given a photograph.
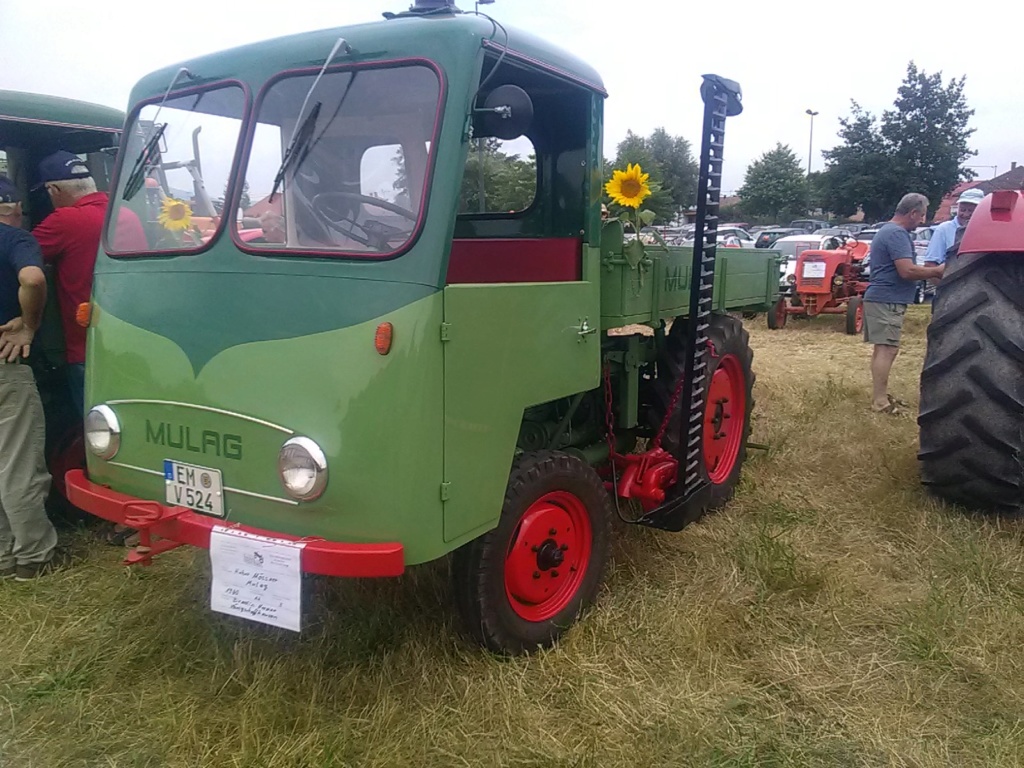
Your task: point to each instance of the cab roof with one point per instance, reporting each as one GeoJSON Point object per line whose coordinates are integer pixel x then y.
{"type": "Point", "coordinates": [21, 107]}
{"type": "Point", "coordinates": [447, 38]}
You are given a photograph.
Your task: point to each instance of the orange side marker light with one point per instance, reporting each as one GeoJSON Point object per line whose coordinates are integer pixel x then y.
{"type": "Point", "coordinates": [382, 339]}
{"type": "Point", "coordinates": [84, 314]}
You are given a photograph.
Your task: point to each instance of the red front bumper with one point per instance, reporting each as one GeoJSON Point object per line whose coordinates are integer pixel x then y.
{"type": "Point", "coordinates": [177, 525]}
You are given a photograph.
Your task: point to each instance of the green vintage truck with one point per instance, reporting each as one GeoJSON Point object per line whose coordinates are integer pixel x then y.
{"type": "Point", "coordinates": [31, 127]}
{"type": "Point", "coordinates": [384, 372]}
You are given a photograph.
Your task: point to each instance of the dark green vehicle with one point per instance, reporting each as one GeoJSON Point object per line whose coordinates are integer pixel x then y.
{"type": "Point", "coordinates": [33, 126]}
{"type": "Point", "coordinates": [396, 367]}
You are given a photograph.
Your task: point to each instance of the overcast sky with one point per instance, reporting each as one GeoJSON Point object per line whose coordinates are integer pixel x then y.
{"type": "Point", "coordinates": [788, 57]}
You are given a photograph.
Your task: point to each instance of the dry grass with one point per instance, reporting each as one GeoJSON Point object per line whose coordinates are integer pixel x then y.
{"type": "Point", "coordinates": [831, 616]}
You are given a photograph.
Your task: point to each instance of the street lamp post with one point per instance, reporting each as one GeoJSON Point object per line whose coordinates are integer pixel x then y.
{"type": "Point", "coordinates": [810, 149]}
{"type": "Point", "coordinates": [810, 143]}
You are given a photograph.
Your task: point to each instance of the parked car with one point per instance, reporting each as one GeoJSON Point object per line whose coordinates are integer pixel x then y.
{"type": "Point", "coordinates": [793, 245]}
{"type": "Point", "coordinates": [837, 231]}
{"type": "Point", "coordinates": [766, 237]}
{"type": "Point", "coordinates": [730, 237]}
{"type": "Point", "coordinates": [808, 225]}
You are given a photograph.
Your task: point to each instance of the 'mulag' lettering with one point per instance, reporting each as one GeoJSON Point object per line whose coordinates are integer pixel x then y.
{"type": "Point", "coordinates": [206, 442]}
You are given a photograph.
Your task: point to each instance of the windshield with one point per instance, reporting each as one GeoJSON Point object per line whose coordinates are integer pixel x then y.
{"type": "Point", "coordinates": [174, 174]}
{"type": "Point", "coordinates": [348, 175]}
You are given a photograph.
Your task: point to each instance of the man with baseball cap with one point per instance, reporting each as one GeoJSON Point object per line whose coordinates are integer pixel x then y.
{"type": "Point", "coordinates": [27, 537]}
{"type": "Point", "coordinates": [946, 237]}
{"type": "Point", "coordinates": [70, 239]}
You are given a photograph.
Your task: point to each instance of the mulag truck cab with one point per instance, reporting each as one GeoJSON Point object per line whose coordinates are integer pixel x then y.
{"type": "Point", "coordinates": [406, 360]}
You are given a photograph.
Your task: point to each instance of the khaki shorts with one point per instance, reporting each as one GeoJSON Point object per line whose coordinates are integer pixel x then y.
{"type": "Point", "coordinates": [883, 323]}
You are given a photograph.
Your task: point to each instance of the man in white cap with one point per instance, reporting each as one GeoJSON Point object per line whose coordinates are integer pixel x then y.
{"type": "Point", "coordinates": [948, 234]}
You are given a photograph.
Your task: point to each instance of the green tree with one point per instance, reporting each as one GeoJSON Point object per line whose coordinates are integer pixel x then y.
{"type": "Point", "coordinates": [918, 146]}
{"type": "Point", "coordinates": [859, 174]}
{"type": "Point", "coordinates": [507, 182]}
{"type": "Point", "coordinates": [673, 171]}
{"type": "Point", "coordinates": [774, 185]}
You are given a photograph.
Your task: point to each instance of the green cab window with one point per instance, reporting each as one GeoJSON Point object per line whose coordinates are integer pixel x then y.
{"type": "Point", "coordinates": [339, 166]}
{"type": "Point", "coordinates": [175, 166]}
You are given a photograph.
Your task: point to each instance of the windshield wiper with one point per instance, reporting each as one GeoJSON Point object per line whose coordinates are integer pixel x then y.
{"type": "Point", "coordinates": [146, 157]}
{"type": "Point", "coordinates": [296, 152]}
{"type": "Point", "coordinates": [145, 160]}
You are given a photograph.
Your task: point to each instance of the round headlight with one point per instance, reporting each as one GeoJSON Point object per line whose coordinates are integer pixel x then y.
{"type": "Point", "coordinates": [303, 468]}
{"type": "Point", "coordinates": [102, 432]}
{"type": "Point", "coordinates": [790, 278]}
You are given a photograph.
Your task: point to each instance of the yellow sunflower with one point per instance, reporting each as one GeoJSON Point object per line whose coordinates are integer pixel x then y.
{"type": "Point", "coordinates": [628, 188]}
{"type": "Point", "coordinates": [176, 215]}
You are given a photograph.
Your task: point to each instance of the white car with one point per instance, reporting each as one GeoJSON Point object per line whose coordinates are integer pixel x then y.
{"type": "Point", "coordinates": [730, 237]}
{"type": "Point", "coordinates": [793, 245]}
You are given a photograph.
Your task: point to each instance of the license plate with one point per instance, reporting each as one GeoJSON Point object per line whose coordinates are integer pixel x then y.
{"type": "Point", "coordinates": [814, 269]}
{"type": "Point", "coordinates": [198, 488]}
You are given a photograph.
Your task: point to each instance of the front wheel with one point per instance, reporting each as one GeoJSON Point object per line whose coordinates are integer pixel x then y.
{"type": "Point", "coordinates": [778, 315]}
{"type": "Point", "coordinates": [728, 401]}
{"type": "Point", "coordinates": [522, 584]}
{"type": "Point", "coordinates": [855, 316]}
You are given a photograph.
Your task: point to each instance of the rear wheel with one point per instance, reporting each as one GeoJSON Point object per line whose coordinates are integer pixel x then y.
{"type": "Point", "coordinates": [855, 316]}
{"type": "Point", "coordinates": [777, 315]}
{"type": "Point", "coordinates": [522, 584]}
{"type": "Point", "coordinates": [972, 386]}
{"type": "Point", "coordinates": [728, 403]}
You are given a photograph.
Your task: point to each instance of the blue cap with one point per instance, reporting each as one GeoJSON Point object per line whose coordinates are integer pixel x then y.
{"type": "Point", "coordinates": [61, 166]}
{"type": "Point", "coordinates": [8, 192]}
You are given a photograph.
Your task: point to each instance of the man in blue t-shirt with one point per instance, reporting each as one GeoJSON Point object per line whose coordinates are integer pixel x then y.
{"type": "Point", "coordinates": [894, 277]}
{"type": "Point", "coordinates": [27, 537]}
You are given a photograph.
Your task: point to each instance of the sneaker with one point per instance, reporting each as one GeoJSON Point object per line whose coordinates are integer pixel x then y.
{"type": "Point", "coordinates": [29, 571]}
{"type": "Point", "coordinates": [8, 573]}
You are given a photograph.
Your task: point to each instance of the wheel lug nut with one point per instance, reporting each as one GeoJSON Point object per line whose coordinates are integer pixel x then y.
{"type": "Point", "coordinates": [535, 548]}
{"type": "Point", "coordinates": [536, 574]}
{"type": "Point", "coordinates": [553, 532]}
{"type": "Point", "coordinates": [564, 547]}
{"type": "Point", "coordinates": [554, 574]}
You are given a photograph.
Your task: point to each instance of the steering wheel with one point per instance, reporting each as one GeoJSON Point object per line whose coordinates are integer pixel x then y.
{"type": "Point", "coordinates": [372, 238]}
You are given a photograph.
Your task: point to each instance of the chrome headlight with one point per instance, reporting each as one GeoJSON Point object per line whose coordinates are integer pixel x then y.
{"type": "Point", "coordinates": [102, 432]}
{"type": "Point", "coordinates": [791, 279]}
{"type": "Point", "coordinates": [302, 467]}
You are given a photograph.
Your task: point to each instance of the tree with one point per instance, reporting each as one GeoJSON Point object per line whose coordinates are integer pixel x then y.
{"type": "Point", "coordinates": [774, 185]}
{"type": "Point", "coordinates": [507, 182]}
{"type": "Point", "coordinates": [673, 171]}
{"type": "Point", "coordinates": [927, 134]}
{"type": "Point", "coordinates": [918, 146]}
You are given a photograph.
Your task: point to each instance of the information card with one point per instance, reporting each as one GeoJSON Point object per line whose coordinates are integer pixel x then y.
{"type": "Point", "coordinates": [256, 577]}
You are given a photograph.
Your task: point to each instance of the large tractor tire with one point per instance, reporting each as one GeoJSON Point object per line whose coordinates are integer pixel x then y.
{"type": "Point", "coordinates": [522, 584]}
{"type": "Point", "coordinates": [727, 407]}
{"type": "Point", "coordinates": [972, 386]}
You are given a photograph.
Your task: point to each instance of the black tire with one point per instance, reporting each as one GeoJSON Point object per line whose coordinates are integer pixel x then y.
{"type": "Point", "coordinates": [854, 308]}
{"type": "Point", "coordinates": [972, 386]}
{"type": "Point", "coordinates": [777, 315]}
{"type": "Point", "coordinates": [729, 338]}
{"type": "Point", "coordinates": [482, 591]}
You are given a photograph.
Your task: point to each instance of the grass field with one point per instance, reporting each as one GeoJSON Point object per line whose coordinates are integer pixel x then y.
{"type": "Point", "coordinates": [832, 615]}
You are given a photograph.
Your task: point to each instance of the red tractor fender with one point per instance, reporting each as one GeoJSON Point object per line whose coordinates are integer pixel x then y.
{"type": "Point", "coordinates": [997, 225]}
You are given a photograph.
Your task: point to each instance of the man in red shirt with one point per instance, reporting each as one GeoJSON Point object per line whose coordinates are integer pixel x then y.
{"type": "Point", "coordinates": [70, 239]}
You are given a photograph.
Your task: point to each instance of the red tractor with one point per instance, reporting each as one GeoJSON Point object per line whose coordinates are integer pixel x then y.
{"type": "Point", "coordinates": [972, 384]}
{"type": "Point", "coordinates": [822, 282]}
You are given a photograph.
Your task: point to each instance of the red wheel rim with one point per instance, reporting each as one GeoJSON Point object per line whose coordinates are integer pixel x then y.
{"type": "Point", "coordinates": [548, 556]}
{"type": "Point", "coordinates": [724, 418]}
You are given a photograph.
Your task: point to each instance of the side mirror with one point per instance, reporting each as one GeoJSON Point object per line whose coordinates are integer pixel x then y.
{"type": "Point", "coordinates": [507, 112]}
